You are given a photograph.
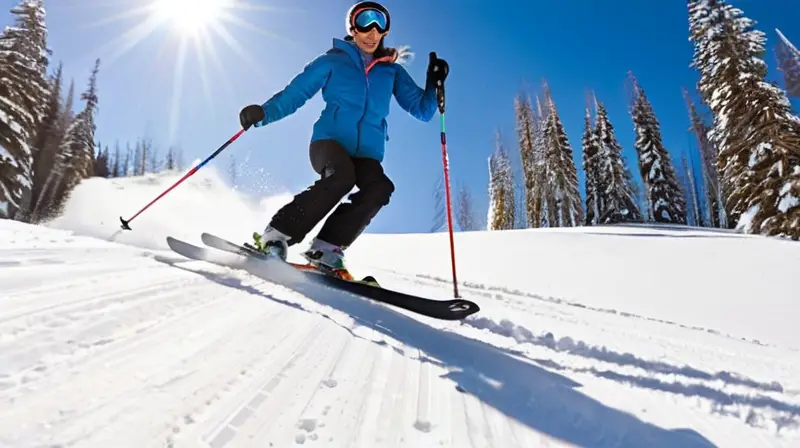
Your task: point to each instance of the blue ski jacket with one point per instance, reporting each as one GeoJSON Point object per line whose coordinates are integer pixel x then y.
{"type": "Point", "coordinates": [357, 97]}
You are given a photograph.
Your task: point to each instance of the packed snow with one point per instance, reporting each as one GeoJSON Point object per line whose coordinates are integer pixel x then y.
{"type": "Point", "coordinates": [625, 336]}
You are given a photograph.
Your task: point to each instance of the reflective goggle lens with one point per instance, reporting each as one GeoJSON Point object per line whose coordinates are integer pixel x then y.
{"type": "Point", "coordinates": [368, 18]}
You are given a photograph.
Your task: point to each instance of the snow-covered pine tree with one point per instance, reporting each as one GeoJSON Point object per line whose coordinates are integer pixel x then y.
{"type": "Point", "coordinates": [45, 143]}
{"type": "Point", "coordinates": [693, 213]}
{"type": "Point", "coordinates": [540, 165]}
{"type": "Point", "coordinates": [789, 64]}
{"type": "Point", "coordinates": [665, 201]}
{"type": "Point", "coordinates": [24, 92]}
{"type": "Point", "coordinates": [526, 132]}
{"type": "Point", "coordinates": [708, 166]}
{"type": "Point", "coordinates": [562, 173]}
{"type": "Point", "coordinates": [50, 190]}
{"type": "Point", "coordinates": [501, 189]}
{"type": "Point", "coordinates": [494, 216]}
{"type": "Point", "coordinates": [592, 180]}
{"type": "Point", "coordinates": [755, 128]}
{"type": "Point", "coordinates": [465, 213]}
{"type": "Point", "coordinates": [618, 199]}
{"type": "Point", "coordinates": [76, 154]}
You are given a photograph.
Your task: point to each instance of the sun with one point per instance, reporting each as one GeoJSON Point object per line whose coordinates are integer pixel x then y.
{"type": "Point", "coordinates": [189, 17]}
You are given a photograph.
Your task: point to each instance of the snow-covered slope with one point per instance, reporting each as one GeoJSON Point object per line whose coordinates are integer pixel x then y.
{"type": "Point", "coordinates": [107, 339]}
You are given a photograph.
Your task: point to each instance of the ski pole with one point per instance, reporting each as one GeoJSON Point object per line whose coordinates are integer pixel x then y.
{"type": "Point", "coordinates": [125, 223]}
{"type": "Point", "coordinates": [446, 165]}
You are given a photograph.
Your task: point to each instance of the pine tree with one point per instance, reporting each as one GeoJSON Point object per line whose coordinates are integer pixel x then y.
{"type": "Point", "coordinates": [136, 159]}
{"type": "Point", "coordinates": [542, 199]}
{"type": "Point", "coordinates": [75, 160]}
{"type": "Point", "coordinates": [789, 64]}
{"type": "Point", "coordinates": [116, 169]}
{"type": "Point", "coordinates": [46, 141]}
{"type": "Point", "coordinates": [179, 162]}
{"type": "Point", "coordinates": [665, 201]}
{"type": "Point", "coordinates": [618, 203]}
{"type": "Point", "coordinates": [24, 93]}
{"type": "Point", "coordinates": [125, 170]}
{"type": "Point", "coordinates": [501, 189]}
{"type": "Point", "coordinates": [152, 159]}
{"type": "Point", "coordinates": [527, 128]}
{"type": "Point", "coordinates": [565, 206]}
{"type": "Point", "coordinates": [465, 213]}
{"type": "Point", "coordinates": [50, 192]}
{"type": "Point", "coordinates": [591, 168]}
{"type": "Point", "coordinates": [755, 129]}
{"type": "Point", "coordinates": [708, 166]}
{"type": "Point", "coordinates": [102, 163]}
{"type": "Point", "coordinates": [169, 160]}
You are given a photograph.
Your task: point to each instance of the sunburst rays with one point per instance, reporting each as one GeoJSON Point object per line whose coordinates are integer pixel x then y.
{"type": "Point", "coordinates": [204, 29]}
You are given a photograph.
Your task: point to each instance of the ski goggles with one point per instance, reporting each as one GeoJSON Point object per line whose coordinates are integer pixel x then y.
{"type": "Point", "coordinates": [367, 19]}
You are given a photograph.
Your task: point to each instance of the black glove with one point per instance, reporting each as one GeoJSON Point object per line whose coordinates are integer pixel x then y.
{"type": "Point", "coordinates": [437, 70]}
{"type": "Point", "coordinates": [252, 115]}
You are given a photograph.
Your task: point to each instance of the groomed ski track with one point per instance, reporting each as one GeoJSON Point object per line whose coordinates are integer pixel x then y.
{"type": "Point", "coordinates": [110, 345]}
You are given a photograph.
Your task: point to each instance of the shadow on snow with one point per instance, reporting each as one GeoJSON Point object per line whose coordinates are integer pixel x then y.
{"type": "Point", "coordinates": [545, 401]}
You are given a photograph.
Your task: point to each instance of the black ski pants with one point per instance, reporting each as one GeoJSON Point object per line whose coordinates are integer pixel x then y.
{"type": "Point", "coordinates": [339, 173]}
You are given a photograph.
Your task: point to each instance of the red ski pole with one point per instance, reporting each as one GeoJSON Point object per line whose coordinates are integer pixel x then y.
{"type": "Point", "coordinates": [124, 222]}
{"type": "Point", "coordinates": [446, 165]}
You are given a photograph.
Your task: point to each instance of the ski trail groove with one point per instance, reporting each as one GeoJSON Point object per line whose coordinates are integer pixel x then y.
{"type": "Point", "coordinates": [142, 348]}
{"type": "Point", "coordinates": [250, 403]}
{"type": "Point", "coordinates": [306, 378]}
{"type": "Point", "coordinates": [312, 419]}
{"type": "Point", "coordinates": [363, 379]}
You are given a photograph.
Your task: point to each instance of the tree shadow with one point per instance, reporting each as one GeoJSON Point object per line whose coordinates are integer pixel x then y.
{"type": "Point", "coordinates": [521, 334]}
{"type": "Point", "coordinates": [731, 404]}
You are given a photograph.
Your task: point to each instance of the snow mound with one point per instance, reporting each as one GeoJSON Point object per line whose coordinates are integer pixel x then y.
{"type": "Point", "coordinates": [202, 203]}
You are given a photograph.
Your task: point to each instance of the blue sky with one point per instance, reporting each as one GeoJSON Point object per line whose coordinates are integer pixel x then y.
{"type": "Point", "coordinates": [494, 49]}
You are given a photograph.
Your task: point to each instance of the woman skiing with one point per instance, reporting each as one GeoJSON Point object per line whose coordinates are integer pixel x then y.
{"type": "Point", "coordinates": [358, 78]}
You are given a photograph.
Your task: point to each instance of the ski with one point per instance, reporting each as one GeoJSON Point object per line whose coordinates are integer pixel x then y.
{"type": "Point", "coordinates": [216, 242]}
{"type": "Point", "coordinates": [228, 254]}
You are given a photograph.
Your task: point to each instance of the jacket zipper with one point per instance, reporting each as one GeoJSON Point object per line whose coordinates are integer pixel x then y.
{"type": "Point", "coordinates": [363, 112]}
{"type": "Point", "coordinates": [366, 100]}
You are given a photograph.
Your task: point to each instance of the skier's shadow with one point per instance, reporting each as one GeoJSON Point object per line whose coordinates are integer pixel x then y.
{"type": "Point", "coordinates": [543, 400]}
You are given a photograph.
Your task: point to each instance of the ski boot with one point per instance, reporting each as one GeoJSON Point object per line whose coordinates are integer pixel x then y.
{"type": "Point", "coordinates": [328, 258]}
{"type": "Point", "coordinates": [271, 242]}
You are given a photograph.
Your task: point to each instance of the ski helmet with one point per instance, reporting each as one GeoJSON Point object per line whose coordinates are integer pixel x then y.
{"type": "Point", "coordinates": [367, 15]}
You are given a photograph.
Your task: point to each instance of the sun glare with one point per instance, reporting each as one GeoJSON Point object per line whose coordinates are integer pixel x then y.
{"type": "Point", "coordinates": [199, 28]}
{"type": "Point", "coordinates": [189, 16]}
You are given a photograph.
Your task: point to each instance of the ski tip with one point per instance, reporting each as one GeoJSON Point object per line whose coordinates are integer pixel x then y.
{"type": "Point", "coordinates": [462, 308]}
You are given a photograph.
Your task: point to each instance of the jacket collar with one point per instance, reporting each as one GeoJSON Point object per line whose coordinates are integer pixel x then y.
{"type": "Point", "coordinates": [351, 49]}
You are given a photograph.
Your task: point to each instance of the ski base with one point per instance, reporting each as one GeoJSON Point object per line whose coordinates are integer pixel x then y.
{"type": "Point", "coordinates": [258, 264]}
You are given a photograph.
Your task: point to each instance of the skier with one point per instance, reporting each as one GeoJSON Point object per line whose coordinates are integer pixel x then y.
{"type": "Point", "coordinates": [358, 77]}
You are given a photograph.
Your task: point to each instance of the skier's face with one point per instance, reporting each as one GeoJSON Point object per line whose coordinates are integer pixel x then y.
{"type": "Point", "coordinates": [368, 42]}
